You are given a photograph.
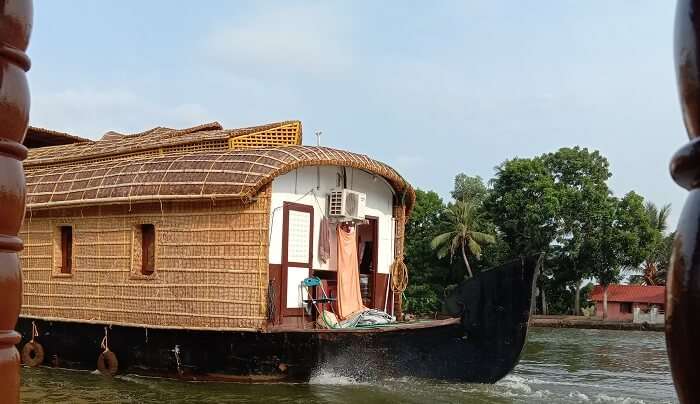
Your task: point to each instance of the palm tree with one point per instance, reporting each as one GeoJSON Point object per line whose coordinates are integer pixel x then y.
{"type": "Point", "coordinates": [463, 220]}
{"type": "Point", "coordinates": [648, 276]}
{"type": "Point", "coordinates": [651, 274]}
{"type": "Point", "coordinates": [658, 217]}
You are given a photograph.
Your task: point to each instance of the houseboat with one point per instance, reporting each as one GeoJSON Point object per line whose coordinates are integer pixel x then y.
{"type": "Point", "coordinates": [240, 255]}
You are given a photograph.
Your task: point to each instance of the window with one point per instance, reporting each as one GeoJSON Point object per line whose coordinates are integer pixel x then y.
{"type": "Point", "coordinates": [626, 307]}
{"type": "Point", "coordinates": [148, 249]}
{"type": "Point", "coordinates": [66, 249]}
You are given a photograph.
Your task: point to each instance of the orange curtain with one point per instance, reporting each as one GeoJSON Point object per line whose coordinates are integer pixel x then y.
{"type": "Point", "coordinates": [349, 298]}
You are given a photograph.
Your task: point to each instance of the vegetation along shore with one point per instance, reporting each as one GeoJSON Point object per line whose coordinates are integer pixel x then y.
{"type": "Point", "coordinates": [557, 203]}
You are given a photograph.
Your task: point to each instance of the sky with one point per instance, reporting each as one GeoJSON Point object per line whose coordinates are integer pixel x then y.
{"type": "Point", "coordinates": [431, 88]}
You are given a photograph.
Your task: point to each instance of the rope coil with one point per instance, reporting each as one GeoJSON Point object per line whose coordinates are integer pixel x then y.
{"type": "Point", "coordinates": [399, 275]}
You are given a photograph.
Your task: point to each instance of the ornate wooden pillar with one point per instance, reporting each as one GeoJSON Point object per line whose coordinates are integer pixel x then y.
{"type": "Point", "coordinates": [15, 28]}
{"type": "Point", "coordinates": [683, 284]}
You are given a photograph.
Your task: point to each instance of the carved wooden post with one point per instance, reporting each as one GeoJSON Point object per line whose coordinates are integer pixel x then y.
{"type": "Point", "coordinates": [683, 284]}
{"type": "Point", "coordinates": [15, 28]}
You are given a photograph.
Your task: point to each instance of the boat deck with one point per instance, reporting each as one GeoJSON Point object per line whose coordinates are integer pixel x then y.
{"type": "Point", "coordinates": [413, 325]}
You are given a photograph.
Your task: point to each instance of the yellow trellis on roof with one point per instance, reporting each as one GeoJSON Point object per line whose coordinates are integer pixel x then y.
{"type": "Point", "coordinates": [284, 135]}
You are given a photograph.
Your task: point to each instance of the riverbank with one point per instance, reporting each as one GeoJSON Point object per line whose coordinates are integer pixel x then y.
{"type": "Point", "coordinates": [590, 323]}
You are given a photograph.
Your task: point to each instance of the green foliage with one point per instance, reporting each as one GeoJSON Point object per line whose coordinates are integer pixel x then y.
{"type": "Point", "coordinates": [524, 205]}
{"type": "Point", "coordinates": [469, 189]}
{"type": "Point", "coordinates": [663, 251]}
{"type": "Point", "coordinates": [623, 236]}
{"type": "Point", "coordinates": [558, 203]}
{"type": "Point", "coordinates": [426, 270]}
{"type": "Point", "coordinates": [580, 177]}
{"type": "Point", "coordinates": [654, 268]}
{"type": "Point", "coordinates": [422, 299]}
{"type": "Point", "coordinates": [422, 226]}
{"type": "Point", "coordinates": [462, 236]}
{"type": "Point", "coordinates": [658, 217]}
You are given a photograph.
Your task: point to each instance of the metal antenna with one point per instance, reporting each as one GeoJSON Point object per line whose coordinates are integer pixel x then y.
{"type": "Point", "coordinates": [318, 134]}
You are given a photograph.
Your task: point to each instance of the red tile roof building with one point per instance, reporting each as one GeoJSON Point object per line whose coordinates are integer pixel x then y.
{"type": "Point", "coordinates": [623, 299]}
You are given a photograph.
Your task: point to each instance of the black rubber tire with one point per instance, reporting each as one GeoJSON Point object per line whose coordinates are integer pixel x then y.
{"type": "Point", "coordinates": [32, 354]}
{"type": "Point", "coordinates": [107, 363]}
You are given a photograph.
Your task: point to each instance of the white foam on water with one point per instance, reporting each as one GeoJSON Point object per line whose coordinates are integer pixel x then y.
{"type": "Point", "coordinates": [582, 398]}
{"type": "Point", "coordinates": [604, 398]}
{"type": "Point", "coordinates": [324, 377]}
{"type": "Point", "coordinates": [132, 379]}
{"type": "Point", "coordinates": [516, 384]}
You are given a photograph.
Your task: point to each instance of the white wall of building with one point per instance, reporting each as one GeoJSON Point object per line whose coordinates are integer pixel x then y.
{"type": "Point", "coordinates": [300, 186]}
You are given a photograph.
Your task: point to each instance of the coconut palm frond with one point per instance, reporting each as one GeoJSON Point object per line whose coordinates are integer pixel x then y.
{"type": "Point", "coordinates": [636, 280]}
{"type": "Point", "coordinates": [662, 218]}
{"type": "Point", "coordinates": [462, 218]}
{"type": "Point", "coordinates": [658, 217]}
{"type": "Point", "coordinates": [440, 240]}
{"type": "Point", "coordinates": [474, 248]}
{"type": "Point", "coordinates": [483, 238]}
{"type": "Point", "coordinates": [455, 243]}
{"type": "Point", "coordinates": [442, 251]}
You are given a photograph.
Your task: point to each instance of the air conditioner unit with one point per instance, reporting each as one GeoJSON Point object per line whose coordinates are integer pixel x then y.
{"type": "Point", "coordinates": [347, 205]}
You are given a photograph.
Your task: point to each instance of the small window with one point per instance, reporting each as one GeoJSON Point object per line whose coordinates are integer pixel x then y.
{"type": "Point", "coordinates": [148, 249]}
{"type": "Point", "coordinates": [625, 307]}
{"type": "Point", "coordinates": [66, 249]}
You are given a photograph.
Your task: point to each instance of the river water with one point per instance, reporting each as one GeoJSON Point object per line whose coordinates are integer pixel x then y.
{"type": "Point", "coordinates": [559, 366]}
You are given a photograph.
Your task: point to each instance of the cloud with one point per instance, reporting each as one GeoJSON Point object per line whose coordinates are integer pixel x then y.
{"type": "Point", "coordinates": [92, 112]}
{"type": "Point", "coordinates": [294, 40]}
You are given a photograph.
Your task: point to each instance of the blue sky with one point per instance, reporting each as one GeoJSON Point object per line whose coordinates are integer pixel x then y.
{"type": "Point", "coordinates": [432, 89]}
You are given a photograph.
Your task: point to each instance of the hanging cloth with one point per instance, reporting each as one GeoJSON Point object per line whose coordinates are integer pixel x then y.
{"type": "Point", "coordinates": [349, 297]}
{"type": "Point", "coordinates": [324, 241]}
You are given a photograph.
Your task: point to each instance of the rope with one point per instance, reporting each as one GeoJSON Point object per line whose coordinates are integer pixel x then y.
{"type": "Point", "coordinates": [105, 342]}
{"type": "Point", "coordinates": [271, 301]}
{"type": "Point", "coordinates": [35, 332]}
{"type": "Point", "coordinates": [399, 275]}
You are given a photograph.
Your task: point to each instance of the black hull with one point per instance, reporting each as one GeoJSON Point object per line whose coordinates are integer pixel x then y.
{"type": "Point", "coordinates": [481, 348]}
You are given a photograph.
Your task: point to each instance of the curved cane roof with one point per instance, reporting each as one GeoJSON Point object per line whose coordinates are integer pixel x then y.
{"type": "Point", "coordinates": [227, 174]}
{"type": "Point", "coordinates": [156, 141]}
{"type": "Point", "coordinates": [164, 164]}
{"type": "Point", "coordinates": [40, 137]}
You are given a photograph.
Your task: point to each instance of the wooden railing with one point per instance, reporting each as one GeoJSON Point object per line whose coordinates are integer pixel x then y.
{"type": "Point", "coordinates": [683, 289]}
{"type": "Point", "coordinates": [15, 28]}
{"type": "Point", "coordinates": [683, 284]}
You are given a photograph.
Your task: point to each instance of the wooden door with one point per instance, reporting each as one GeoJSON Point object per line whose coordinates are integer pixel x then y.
{"type": "Point", "coordinates": [297, 255]}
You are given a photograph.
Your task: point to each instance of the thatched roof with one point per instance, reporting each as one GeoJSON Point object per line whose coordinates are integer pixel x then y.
{"type": "Point", "coordinates": [228, 174]}
{"type": "Point", "coordinates": [159, 140]}
{"type": "Point", "coordinates": [40, 137]}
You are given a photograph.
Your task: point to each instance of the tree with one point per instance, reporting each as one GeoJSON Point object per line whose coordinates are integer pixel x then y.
{"type": "Point", "coordinates": [422, 226]}
{"type": "Point", "coordinates": [658, 218]}
{"type": "Point", "coordinates": [653, 269]}
{"type": "Point", "coordinates": [560, 204]}
{"type": "Point", "coordinates": [623, 237]}
{"type": "Point", "coordinates": [580, 178]}
{"type": "Point", "coordinates": [462, 234]}
{"type": "Point", "coordinates": [524, 205]}
{"type": "Point", "coordinates": [429, 275]}
{"type": "Point", "coordinates": [469, 189]}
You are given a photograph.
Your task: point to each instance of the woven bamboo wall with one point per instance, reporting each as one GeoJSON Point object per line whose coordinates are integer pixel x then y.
{"type": "Point", "coordinates": [211, 265]}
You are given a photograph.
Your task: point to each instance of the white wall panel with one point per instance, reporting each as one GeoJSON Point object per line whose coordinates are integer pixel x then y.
{"type": "Point", "coordinates": [299, 186]}
{"type": "Point", "coordinates": [295, 291]}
